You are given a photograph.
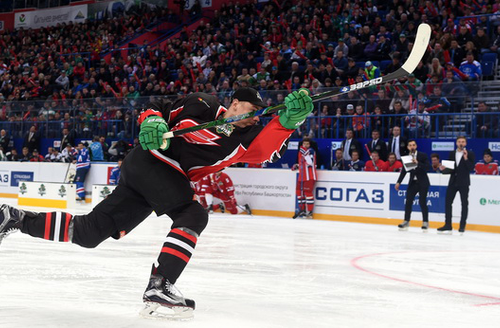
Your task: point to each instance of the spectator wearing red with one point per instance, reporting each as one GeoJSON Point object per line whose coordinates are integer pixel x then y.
{"type": "Point", "coordinates": [360, 121]}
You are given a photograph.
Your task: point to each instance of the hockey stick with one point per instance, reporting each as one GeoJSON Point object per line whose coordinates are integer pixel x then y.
{"type": "Point", "coordinates": [418, 51]}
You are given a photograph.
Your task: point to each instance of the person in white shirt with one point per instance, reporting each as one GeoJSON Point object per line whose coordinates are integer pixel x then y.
{"type": "Point", "coordinates": [349, 144]}
{"type": "Point", "coordinates": [398, 143]}
{"type": "Point", "coordinates": [459, 182]}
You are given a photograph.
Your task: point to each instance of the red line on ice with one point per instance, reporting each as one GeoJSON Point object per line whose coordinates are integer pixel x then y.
{"type": "Point", "coordinates": [354, 263]}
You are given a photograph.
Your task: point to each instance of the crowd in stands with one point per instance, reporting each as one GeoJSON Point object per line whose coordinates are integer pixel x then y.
{"type": "Point", "coordinates": [275, 47]}
{"type": "Point", "coordinates": [66, 151]}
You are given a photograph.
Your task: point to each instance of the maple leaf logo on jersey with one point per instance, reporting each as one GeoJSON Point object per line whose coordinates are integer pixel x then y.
{"type": "Point", "coordinates": [200, 137]}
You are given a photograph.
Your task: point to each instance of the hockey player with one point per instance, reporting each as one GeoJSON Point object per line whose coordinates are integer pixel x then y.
{"type": "Point", "coordinates": [487, 166]}
{"type": "Point", "coordinates": [222, 188]}
{"type": "Point", "coordinates": [159, 180]}
{"type": "Point", "coordinates": [376, 164]}
{"type": "Point", "coordinates": [201, 188]}
{"type": "Point", "coordinates": [306, 179]}
{"type": "Point", "coordinates": [355, 164]}
{"type": "Point", "coordinates": [338, 163]}
{"type": "Point", "coordinates": [82, 168]}
{"type": "Point", "coordinates": [114, 177]}
{"type": "Point", "coordinates": [393, 165]}
{"type": "Point", "coordinates": [204, 193]}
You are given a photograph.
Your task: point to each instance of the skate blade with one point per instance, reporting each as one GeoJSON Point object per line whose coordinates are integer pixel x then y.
{"type": "Point", "coordinates": [425, 230]}
{"type": "Point", "coordinates": [159, 312]}
{"type": "Point", "coordinates": [403, 229]}
{"type": "Point", "coordinates": [447, 232]}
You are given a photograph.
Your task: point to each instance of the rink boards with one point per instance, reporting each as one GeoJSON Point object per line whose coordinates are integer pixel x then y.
{"type": "Point", "coordinates": [366, 197]}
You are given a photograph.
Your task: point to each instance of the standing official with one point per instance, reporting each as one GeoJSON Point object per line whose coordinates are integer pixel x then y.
{"type": "Point", "coordinates": [459, 182]}
{"type": "Point", "coordinates": [349, 144]}
{"type": "Point", "coordinates": [419, 183]}
{"type": "Point", "coordinates": [398, 143]}
{"type": "Point", "coordinates": [377, 144]}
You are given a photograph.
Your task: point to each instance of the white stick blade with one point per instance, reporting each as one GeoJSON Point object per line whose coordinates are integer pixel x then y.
{"type": "Point", "coordinates": [419, 47]}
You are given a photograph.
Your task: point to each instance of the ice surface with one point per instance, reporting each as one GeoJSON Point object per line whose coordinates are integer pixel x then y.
{"type": "Point", "coordinates": [260, 272]}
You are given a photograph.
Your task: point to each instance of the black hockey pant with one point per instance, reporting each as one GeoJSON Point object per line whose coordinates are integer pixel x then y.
{"type": "Point", "coordinates": [146, 184]}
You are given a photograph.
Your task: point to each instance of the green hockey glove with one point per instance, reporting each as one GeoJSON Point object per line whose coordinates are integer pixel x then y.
{"type": "Point", "coordinates": [298, 106]}
{"type": "Point", "coordinates": [151, 134]}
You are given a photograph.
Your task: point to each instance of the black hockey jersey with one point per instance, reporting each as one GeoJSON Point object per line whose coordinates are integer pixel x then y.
{"type": "Point", "coordinates": [197, 154]}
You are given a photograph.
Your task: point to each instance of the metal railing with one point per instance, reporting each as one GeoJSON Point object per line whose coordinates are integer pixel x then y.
{"type": "Point", "coordinates": [114, 114]}
{"type": "Point", "coordinates": [417, 125]}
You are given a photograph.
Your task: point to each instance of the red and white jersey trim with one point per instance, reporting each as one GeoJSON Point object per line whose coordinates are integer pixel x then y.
{"type": "Point", "coordinates": [200, 137]}
{"type": "Point", "coordinates": [174, 112]}
{"type": "Point", "coordinates": [220, 110]}
{"type": "Point", "coordinates": [198, 172]}
{"type": "Point", "coordinates": [167, 160]}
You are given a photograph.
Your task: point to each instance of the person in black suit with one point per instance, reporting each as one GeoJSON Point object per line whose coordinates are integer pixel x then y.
{"type": "Point", "coordinates": [459, 182]}
{"type": "Point", "coordinates": [349, 144]}
{"type": "Point", "coordinates": [418, 183]}
{"type": "Point", "coordinates": [379, 145]}
{"type": "Point", "coordinates": [398, 143]}
{"type": "Point", "coordinates": [66, 139]}
{"type": "Point", "coordinates": [4, 140]}
{"type": "Point", "coordinates": [32, 139]}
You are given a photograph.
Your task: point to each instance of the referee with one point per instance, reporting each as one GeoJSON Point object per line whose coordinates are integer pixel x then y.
{"type": "Point", "coordinates": [419, 183]}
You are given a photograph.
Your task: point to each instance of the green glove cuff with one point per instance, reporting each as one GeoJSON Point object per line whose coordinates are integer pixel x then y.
{"type": "Point", "coordinates": [298, 106]}
{"type": "Point", "coordinates": [151, 134]}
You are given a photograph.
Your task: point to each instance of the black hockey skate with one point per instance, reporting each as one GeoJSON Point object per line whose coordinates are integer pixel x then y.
{"type": "Point", "coordinates": [222, 208]}
{"type": "Point", "coordinates": [164, 301]}
{"type": "Point", "coordinates": [248, 210]}
{"type": "Point", "coordinates": [10, 220]}
{"type": "Point", "coordinates": [404, 226]}
{"type": "Point", "coordinates": [425, 226]}
{"type": "Point", "coordinates": [298, 214]}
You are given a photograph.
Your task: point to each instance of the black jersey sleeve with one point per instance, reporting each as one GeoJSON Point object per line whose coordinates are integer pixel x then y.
{"type": "Point", "coordinates": [160, 107]}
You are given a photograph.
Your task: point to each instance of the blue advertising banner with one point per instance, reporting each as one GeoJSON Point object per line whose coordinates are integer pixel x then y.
{"type": "Point", "coordinates": [435, 199]}
{"type": "Point", "coordinates": [15, 177]}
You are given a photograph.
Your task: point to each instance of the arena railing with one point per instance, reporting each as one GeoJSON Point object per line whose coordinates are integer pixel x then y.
{"type": "Point", "coordinates": [416, 125]}
{"type": "Point", "coordinates": [99, 115]}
